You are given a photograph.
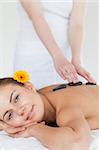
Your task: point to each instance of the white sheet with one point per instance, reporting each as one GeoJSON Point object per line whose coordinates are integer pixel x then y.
{"type": "Point", "coordinates": [8, 143]}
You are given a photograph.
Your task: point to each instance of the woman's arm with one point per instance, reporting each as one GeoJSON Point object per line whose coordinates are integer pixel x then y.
{"type": "Point", "coordinates": [64, 68]}
{"type": "Point", "coordinates": [74, 134]}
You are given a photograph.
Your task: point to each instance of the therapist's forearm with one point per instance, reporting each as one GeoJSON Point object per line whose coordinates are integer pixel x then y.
{"type": "Point", "coordinates": [45, 35]}
{"type": "Point", "coordinates": [75, 40]}
{"type": "Point", "coordinates": [35, 14]}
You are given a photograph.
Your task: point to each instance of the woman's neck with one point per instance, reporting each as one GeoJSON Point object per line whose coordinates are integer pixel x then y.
{"type": "Point", "coordinates": [49, 110]}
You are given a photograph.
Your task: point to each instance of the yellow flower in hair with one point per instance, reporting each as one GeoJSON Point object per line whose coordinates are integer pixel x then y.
{"type": "Point", "coordinates": [21, 76]}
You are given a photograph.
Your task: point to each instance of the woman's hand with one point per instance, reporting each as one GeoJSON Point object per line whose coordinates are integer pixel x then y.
{"type": "Point", "coordinates": [10, 129]}
{"type": "Point", "coordinates": [82, 72]}
{"type": "Point", "coordinates": [64, 68]}
{"type": "Point", "coordinates": [27, 132]}
{"type": "Point", "coordinates": [3, 125]}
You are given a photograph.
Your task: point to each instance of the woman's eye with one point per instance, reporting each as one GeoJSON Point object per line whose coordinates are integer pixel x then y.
{"type": "Point", "coordinates": [16, 99]}
{"type": "Point", "coordinates": [10, 116]}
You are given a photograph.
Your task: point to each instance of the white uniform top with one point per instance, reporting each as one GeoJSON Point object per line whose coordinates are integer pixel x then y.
{"type": "Point", "coordinates": [30, 54]}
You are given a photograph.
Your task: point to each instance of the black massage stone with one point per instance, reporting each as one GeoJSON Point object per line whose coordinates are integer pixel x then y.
{"type": "Point", "coordinates": [62, 86]}
{"type": "Point", "coordinates": [75, 84]}
{"type": "Point", "coordinates": [89, 83]}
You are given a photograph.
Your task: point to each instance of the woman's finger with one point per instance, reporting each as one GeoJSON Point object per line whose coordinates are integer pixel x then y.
{"type": "Point", "coordinates": [3, 125]}
{"type": "Point", "coordinates": [27, 125]}
{"type": "Point", "coordinates": [16, 135]}
{"type": "Point", "coordinates": [43, 122]}
{"type": "Point", "coordinates": [12, 130]}
{"type": "Point", "coordinates": [20, 134]}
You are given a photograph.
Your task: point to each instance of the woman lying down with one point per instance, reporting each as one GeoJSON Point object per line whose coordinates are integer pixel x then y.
{"type": "Point", "coordinates": [60, 116]}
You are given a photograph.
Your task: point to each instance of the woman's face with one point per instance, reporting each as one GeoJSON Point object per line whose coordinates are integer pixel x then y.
{"type": "Point", "coordinates": [20, 105]}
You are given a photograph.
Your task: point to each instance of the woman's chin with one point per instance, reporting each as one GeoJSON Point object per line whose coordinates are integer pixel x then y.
{"type": "Point", "coordinates": [36, 119]}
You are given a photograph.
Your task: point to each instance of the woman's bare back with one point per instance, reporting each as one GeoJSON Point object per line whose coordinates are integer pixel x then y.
{"type": "Point", "coordinates": [83, 97]}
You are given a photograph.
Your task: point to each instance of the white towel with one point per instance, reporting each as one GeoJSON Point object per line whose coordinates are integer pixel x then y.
{"type": "Point", "coordinates": [9, 143]}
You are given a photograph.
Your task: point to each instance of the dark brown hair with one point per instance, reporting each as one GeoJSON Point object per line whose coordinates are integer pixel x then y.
{"type": "Point", "coordinates": [9, 80]}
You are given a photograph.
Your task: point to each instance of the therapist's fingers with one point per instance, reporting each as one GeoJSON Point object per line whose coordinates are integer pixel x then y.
{"type": "Point", "coordinates": [89, 77]}
{"type": "Point", "coordinates": [62, 75]}
{"type": "Point", "coordinates": [72, 74]}
{"type": "Point", "coordinates": [69, 74]}
{"type": "Point", "coordinates": [85, 74]}
{"type": "Point", "coordinates": [66, 75]}
{"type": "Point", "coordinates": [65, 69]}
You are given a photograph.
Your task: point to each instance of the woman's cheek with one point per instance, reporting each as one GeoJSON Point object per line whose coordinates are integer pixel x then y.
{"type": "Point", "coordinates": [17, 121]}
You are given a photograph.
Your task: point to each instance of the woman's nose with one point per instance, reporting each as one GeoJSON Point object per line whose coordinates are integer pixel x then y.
{"type": "Point", "coordinates": [21, 111]}
{"type": "Point", "coordinates": [24, 111]}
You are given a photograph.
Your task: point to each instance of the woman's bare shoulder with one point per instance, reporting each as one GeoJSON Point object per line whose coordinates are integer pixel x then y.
{"type": "Point", "coordinates": [47, 89]}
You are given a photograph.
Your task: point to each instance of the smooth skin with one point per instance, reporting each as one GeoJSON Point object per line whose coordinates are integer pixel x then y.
{"type": "Point", "coordinates": [67, 70]}
{"type": "Point", "coordinates": [75, 110]}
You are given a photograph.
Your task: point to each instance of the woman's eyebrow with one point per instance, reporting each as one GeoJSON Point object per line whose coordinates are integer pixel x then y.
{"type": "Point", "coordinates": [11, 96]}
{"type": "Point", "coordinates": [5, 113]}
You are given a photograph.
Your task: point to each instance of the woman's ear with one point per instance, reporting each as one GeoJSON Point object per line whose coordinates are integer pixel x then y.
{"type": "Point", "coordinates": [30, 86]}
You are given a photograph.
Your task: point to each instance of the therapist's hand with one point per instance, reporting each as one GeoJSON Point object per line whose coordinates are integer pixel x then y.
{"type": "Point", "coordinates": [84, 73]}
{"type": "Point", "coordinates": [64, 68]}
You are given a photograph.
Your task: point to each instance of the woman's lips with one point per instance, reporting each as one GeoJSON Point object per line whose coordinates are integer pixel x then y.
{"type": "Point", "coordinates": [30, 114]}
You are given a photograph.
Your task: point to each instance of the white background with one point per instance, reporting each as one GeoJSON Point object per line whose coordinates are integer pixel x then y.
{"type": "Point", "coordinates": [9, 27]}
